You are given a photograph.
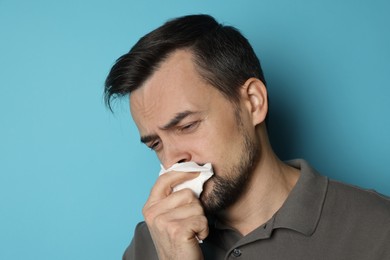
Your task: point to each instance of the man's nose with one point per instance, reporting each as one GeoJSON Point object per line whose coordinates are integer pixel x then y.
{"type": "Point", "coordinates": [175, 154]}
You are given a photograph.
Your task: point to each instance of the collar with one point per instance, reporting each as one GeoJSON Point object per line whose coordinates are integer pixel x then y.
{"type": "Point", "coordinates": [302, 209]}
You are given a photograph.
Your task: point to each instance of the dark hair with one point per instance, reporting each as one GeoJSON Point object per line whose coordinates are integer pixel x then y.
{"type": "Point", "coordinates": [223, 56]}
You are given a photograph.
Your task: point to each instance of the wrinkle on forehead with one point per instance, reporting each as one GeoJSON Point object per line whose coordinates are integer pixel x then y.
{"type": "Point", "coordinates": [141, 104]}
{"type": "Point", "coordinates": [174, 87]}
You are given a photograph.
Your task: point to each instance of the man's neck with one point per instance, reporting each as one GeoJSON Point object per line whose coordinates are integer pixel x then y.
{"type": "Point", "coordinates": [267, 190]}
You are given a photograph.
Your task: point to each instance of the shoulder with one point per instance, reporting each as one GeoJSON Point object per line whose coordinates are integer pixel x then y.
{"type": "Point", "coordinates": [358, 219]}
{"type": "Point", "coordinates": [141, 246]}
{"type": "Point", "coordinates": [356, 206]}
{"type": "Point", "coordinates": [361, 199]}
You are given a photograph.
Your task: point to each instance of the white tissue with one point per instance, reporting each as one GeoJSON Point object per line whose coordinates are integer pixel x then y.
{"type": "Point", "coordinates": [196, 185]}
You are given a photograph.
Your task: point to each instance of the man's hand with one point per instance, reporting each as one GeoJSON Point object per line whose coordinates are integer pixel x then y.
{"type": "Point", "coordinates": [175, 220]}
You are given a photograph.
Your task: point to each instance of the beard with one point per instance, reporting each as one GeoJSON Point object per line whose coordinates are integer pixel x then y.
{"type": "Point", "coordinates": [227, 190]}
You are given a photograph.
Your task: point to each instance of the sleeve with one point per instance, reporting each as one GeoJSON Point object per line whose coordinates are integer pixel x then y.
{"type": "Point", "coordinates": [141, 247]}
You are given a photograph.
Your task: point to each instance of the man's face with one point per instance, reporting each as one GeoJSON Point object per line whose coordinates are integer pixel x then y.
{"type": "Point", "coordinates": [183, 118]}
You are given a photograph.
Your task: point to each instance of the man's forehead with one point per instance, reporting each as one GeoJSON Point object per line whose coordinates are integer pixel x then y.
{"type": "Point", "coordinates": [162, 116]}
{"type": "Point", "coordinates": [170, 89]}
{"type": "Point", "coordinates": [173, 90]}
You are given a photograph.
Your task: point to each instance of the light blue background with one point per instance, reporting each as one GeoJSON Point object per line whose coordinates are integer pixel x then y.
{"type": "Point", "coordinates": [73, 177]}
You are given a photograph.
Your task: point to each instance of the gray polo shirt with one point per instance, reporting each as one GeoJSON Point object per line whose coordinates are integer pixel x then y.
{"type": "Point", "coordinates": [321, 219]}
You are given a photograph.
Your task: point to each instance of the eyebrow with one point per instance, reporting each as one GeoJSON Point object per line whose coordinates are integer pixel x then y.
{"type": "Point", "coordinates": [147, 138]}
{"type": "Point", "coordinates": [177, 119]}
{"type": "Point", "coordinates": [172, 123]}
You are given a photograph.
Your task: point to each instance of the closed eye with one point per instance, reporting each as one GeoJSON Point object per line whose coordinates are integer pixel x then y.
{"type": "Point", "coordinates": [154, 146]}
{"type": "Point", "coordinates": [188, 128]}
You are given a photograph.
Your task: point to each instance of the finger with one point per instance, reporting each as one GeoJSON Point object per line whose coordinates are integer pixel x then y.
{"type": "Point", "coordinates": [183, 212]}
{"type": "Point", "coordinates": [194, 228]}
{"type": "Point", "coordinates": [182, 230]}
{"type": "Point", "coordinates": [173, 201]}
{"type": "Point", "coordinates": [179, 198]}
{"type": "Point", "coordinates": [165, 183]}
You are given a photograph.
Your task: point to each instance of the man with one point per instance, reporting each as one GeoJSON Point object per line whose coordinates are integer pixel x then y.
{"type": "Point", "coordinates": [197, 93]}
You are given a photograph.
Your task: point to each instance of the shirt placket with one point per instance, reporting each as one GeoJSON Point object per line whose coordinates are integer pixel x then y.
{"type": "Point", "coordinates": [242, 248]}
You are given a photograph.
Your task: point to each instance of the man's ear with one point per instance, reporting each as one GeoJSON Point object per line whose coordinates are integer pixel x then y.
{"type": "Point", "coordinates": [254, 96]}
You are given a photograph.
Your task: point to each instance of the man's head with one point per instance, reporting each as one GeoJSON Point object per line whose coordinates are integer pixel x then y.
{"type": "Point", "coordinates": [223, 56]}
{"type": "Point", "coordinates": [189, 107]}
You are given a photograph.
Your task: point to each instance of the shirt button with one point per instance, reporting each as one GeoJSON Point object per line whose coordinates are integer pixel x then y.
{"type": "Point", "coordinates": [236, 252]}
